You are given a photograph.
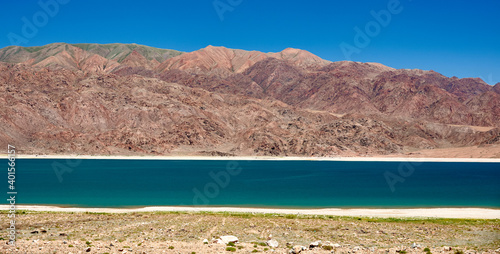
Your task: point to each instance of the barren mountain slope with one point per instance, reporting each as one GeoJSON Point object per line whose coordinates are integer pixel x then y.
{"type": "Point", "coordinates": [63, 111]}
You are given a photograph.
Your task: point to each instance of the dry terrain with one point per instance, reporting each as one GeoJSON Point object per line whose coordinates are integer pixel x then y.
{"type": "Point", "coordinates": [119, 99]}
{"type": "Point", "coordinates": [48, 232]}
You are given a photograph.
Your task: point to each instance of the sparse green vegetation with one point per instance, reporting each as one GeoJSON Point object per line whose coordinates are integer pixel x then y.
{"type": "Point", "coordinates": [232, 249]}
{"type": "Point", "coordinates": [327, 247]}
{"type": "Point", "coordinates": [104, 229]}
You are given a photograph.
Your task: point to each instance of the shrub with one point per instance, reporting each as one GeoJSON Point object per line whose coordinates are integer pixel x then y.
{"type": "Point", "coordinates": [427, 249]}
{"type": "Point", "coordinates": [266, 249]}
{"type": "Point", "coordinates": [170, 247]}
{"type": "Point", "coordinates": [71, 245]}
{"type": "Point", "coordinates": [126, 247]}
{"type": "Point", "coordinates": [459, 252]}
{"type": "Point", "coordinates": [254, 250]}
{"type": "Point", "coordinates": [262, 244]}
{"type": "Point", "coordinates": [231, 249]}
{"type": "Point", "coordinates": [87, 243]}
{"type": "Point", "coordinates": [193, 252]}
{"type": "Point", "coordinates": [327, 247]}
{"type": "Point", "coordinates": [231, 244]}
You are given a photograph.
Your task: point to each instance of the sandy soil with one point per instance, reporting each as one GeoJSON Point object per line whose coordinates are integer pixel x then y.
{"type": "Point", "coordinates": [414, 156]}
{"type": "Point", "coordinates": [463, 213]}
{"type": "Point", "coordinates": [159, 232]}
{"type": "Point", "coordinates": [484, 152]}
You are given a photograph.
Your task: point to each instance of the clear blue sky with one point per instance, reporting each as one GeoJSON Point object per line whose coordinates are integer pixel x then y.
{"type": "Point", "coordinates": [456, 38]}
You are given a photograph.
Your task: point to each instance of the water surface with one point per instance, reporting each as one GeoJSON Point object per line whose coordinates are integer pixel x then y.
{"type": "Point", "coordinates": [300, 184]}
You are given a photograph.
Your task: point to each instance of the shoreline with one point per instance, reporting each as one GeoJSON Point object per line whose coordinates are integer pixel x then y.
{"type": "Point", "coordinates": [450, 213]}
{"type": "Point", "coordinates": [255, 158]}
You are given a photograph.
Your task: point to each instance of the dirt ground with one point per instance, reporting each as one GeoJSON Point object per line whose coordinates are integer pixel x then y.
{"type": "Point", "coordinates": [486, 151]}
{"type": "Point", "coordinates": [48, 232]}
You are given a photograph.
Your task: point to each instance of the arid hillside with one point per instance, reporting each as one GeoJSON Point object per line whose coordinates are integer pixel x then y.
{"type": "Point", "coordinates": [122, 99]}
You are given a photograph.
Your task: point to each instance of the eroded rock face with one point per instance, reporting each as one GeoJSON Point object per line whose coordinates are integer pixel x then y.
{"type": "Point", "coordinates": [290, 103]}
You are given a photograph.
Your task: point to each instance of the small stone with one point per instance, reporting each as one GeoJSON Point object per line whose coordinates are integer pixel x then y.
{"type": "Point", "coordinates": [218, 241]}
{"type": "Point", "coordinates": [296, 249]}
{"type": "Point", "coordinates": [314, 244]}
{"type": "Point", "coordinates": [205, 241]}
{"type": "Point", "coordinates": [87, 249]}
{"type": "Point", "coordinates": [272, 243]}
{"type": "Point", "coordinates": [446, 248]}
{"type": "Point", "coordinates": [64, 242]}
{"type": "Point", "coordinates": [63, 234]}
{"type": "Point", "coordinates": [34, 232]}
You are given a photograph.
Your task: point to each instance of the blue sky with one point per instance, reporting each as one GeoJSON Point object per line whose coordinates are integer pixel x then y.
{"type": "Point", "coordinates": [456, 38]}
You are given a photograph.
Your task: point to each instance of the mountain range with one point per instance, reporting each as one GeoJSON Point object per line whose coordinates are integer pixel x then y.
{"type": "Point", "coordinates": [133, 99]}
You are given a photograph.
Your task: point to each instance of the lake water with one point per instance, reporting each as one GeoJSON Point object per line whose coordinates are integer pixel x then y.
{"type": "Point", "coordinates": [300, 184]}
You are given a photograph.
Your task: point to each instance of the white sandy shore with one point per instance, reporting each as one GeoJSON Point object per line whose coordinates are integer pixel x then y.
{"type": "Point", "coordinates": [464, 213]}
{"type": "Point", "coordinates": [388, 159]}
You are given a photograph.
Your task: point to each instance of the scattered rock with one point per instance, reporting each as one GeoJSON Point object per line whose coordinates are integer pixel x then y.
{"type": "Point", "coordinates": [87, 249]}
{"type": "Point", "coordinates": [272, 243]}
{"type": "Point", "coordinates": [63, 234]}
{"type": "Point", "coordinates": [218, 241]}
{"type": "Point", "coordinates": [296, 249]}
{"type": "Point", "coordinates": [64, 242]}
{"type": "Point", "coordinates": [229, 239]}
{"type": "Point", "coordinates": [34, 232]}
{"type": "Point", "coordinates": [289, 244]}
{"type": "Point", "coordinates": [44, 231]}
{"type": "Point", "coordinates": [314, 244]}
{"type": "Point", "coordinates": [446, 248]}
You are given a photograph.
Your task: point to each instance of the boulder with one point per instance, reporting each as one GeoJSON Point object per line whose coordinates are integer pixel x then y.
{"type": "Point", "coordinates": [229, 239]}
{"type": "Point", "coordinates": [295, 249]}
{"type": "Point", "coordinates": [272, 243]}
{"type": "Point", "coordinates": [314, 244]}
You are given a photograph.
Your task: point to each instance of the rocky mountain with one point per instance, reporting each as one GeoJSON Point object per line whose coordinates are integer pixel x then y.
{"type": "Point", "coordinates": [132, 99]}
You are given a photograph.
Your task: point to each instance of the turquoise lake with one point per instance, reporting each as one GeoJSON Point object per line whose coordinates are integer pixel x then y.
{"type": "Point", "coordinates": [299, 184]}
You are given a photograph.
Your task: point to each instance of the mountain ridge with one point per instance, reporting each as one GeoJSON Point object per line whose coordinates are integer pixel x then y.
{"type": "Point", "coordinates": [114, 98]}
